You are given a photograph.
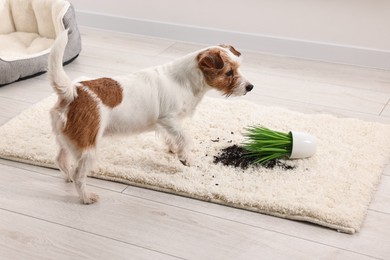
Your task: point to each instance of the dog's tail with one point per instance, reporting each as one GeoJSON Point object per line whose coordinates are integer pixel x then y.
{"type": "Point", "coordinates": [60, 82]}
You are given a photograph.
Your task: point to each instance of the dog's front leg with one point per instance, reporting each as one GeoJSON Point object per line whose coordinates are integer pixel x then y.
{"type": "Point", "coordinates": [179, 142]}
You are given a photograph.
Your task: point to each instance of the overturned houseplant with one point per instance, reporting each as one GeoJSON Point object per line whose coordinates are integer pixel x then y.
{"type": "Point", "coordinates": [264, 145]}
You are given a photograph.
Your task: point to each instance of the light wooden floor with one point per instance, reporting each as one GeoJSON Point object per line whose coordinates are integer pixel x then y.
{"type": "Point", "coordinates": [40, 217]}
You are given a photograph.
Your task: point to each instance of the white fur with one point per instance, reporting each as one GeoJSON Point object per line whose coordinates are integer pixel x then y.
{"type": "Point", "coordinates": [59, 80]}
{"type": "Point", "coordinates": [156, 98]}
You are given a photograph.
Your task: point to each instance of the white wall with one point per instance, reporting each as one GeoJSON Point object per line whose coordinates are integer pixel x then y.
{"type": "Point", "coordinates": [361, 24]}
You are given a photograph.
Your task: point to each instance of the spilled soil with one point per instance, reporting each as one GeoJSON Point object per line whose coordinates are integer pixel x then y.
{"type": "Point", "coordinates": [234, 156]}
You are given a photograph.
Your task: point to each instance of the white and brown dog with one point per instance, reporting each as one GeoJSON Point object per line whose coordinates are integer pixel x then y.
{"type": "Point", "coordinates": [156, 98]}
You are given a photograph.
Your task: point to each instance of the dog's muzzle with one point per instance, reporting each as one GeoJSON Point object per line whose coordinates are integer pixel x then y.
{"type": "Point", "coordinates": [249, 87]}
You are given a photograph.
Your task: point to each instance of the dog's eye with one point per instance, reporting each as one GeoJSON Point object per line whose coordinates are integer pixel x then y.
{"type": "Point", "coordinates": [229, 73]}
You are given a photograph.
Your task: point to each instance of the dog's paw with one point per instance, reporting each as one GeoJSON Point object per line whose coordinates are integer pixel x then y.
{"type": "Point", "coordinates": [68, 179]}
{"type": "Point", "coordinates": [187, 161]}
{"type": "Point", "coordinates": [172, 149]}
{"type": "Point", "coordinates": [90, 198]}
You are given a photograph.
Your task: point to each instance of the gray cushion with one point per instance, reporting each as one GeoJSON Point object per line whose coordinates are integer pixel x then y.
{"type": "Point", "coordinates": [11, 71]}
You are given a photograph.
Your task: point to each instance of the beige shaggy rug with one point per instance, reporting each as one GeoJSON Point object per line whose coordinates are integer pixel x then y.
{"type": "Point", "coordinates": [333, 188]}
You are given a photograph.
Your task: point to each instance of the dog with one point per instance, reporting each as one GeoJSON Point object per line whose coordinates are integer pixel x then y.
{"type": "Point", "coordinates": [156, 98]}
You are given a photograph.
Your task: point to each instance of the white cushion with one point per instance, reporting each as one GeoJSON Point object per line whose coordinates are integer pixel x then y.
{"type": "Point", "coordinates": [27, 32]}
{"type": "Point", "coordinates": [28, 27]}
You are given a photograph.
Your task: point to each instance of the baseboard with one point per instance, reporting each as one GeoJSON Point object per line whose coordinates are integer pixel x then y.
{"type": "Point", "coordinates": [328, 52]}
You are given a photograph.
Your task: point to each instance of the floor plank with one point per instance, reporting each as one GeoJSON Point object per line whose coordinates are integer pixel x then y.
{"type": "Point", "coordinates": [316, 71]}
{"type": "Point", "coordinates": [30, 91]}
{"type": "Point", "coordinates": [386, 110]}
{"type": "Point", "coordinates": [4, 119]}
{"type": "Point", "coordinates": [147, 224]}
{"type": "Point", "coordinates": [308, 108]}
{"type": "Point", "coordinates": [25, 237]}
{"type": "Point", "coordinates": [363, 242]}
{"type": "Point", "coordinates": [10, 107]}
{"type": "Point", "coordinates": [318, 93]}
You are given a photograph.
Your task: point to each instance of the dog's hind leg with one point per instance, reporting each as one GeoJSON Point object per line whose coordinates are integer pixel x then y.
{"type": "Point", "coordinates": [84, 163]}
{"type": "Point", "coordinates": [62, 160]}
{"type": "Point", "coordinates": [63, 163]}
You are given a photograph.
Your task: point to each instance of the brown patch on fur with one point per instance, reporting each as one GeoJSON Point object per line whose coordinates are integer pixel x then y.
{"type": "Point", "coordinates": [83, 120]}
{"type": "Point", "coordinates": [219, 70]}
{"type": "Point", "coordinates": [232, 49]}
{"type": "Point", "coordinates": [108, 90]}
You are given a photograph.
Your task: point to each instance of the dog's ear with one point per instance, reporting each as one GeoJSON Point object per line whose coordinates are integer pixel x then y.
{"type": "Point", "coordinates": [211, 59]}
{"type": "Point", "coordinates": [232, 49]}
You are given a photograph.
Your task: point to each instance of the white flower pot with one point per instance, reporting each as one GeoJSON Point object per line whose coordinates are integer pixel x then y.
{"type": "Point", "coordinates": [303, 145]}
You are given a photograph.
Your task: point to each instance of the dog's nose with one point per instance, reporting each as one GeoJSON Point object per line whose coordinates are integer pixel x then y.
{"type": "Point", "coordinates": [249, 87]}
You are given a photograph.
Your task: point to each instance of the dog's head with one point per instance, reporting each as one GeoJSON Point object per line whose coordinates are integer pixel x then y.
{"type": "Point", "coordinates": [220, 68]}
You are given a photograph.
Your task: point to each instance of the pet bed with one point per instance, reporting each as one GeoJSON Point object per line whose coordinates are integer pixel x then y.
{"type": "Point", "coordinates": [28, 29]}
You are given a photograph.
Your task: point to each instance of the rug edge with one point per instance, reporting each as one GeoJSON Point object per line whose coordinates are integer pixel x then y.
{"type": "Point", "coordinates": [338, 228]}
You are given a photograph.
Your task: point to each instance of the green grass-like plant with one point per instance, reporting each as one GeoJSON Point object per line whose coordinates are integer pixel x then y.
{"type": "Point", "coordinates": [263, 144]}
